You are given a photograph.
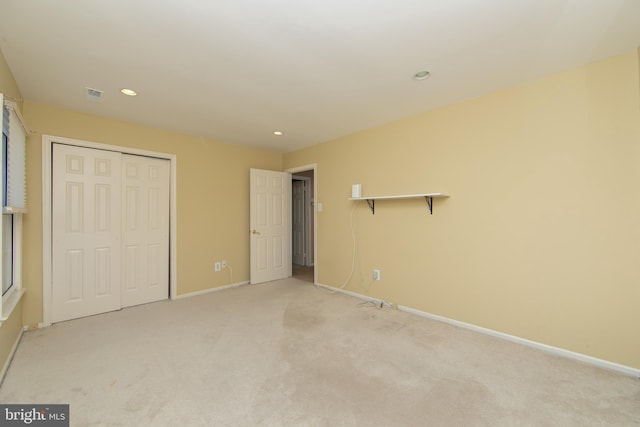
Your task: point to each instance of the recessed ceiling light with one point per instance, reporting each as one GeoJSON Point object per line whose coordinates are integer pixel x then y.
{"type": "Point", "coordinates": [128, 92]}
{"type": "Point", "coordinates": [278, 133]}
{"type": "Point", "coordinates": [421, 75]}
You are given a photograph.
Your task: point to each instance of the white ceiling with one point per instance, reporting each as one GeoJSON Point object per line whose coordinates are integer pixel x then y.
{"type": "Point", "coordinates": [236, 70]}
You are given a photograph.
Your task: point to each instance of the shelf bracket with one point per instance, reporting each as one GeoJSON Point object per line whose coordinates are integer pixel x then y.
{"type": "Point", "coordinates": [429, 203]}
{"type": "Point", "coordinates": [372, 205]}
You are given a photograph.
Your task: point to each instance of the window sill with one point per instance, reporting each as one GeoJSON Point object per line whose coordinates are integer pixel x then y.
{"type": "Point", "coordinates": [9, 302]}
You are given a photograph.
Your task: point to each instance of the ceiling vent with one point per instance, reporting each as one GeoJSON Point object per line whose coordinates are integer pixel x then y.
{"type": "Point", "coordinates": [93, 95]}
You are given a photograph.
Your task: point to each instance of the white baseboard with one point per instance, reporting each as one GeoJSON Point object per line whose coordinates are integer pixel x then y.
{"type": "Point", "coordinates": [627, 370]}
{"type": "Point", "coordinates": [206, 291]}
{"type": "Point", "coordinates": [544, 347]}
{"type": "Point", "coordinates": [7, 362]}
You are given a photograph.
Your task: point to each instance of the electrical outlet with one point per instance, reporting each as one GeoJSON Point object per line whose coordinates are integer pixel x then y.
{"type": "Point", "coordinates": [376, 274]}
{"type": "Point", "coordinates": [223, 263]}
{"type": "Point", "coordinates": [217, 266]}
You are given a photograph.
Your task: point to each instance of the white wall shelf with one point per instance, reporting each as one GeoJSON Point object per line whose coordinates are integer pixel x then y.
{"type": "Point", "coordinates": [371, 200]}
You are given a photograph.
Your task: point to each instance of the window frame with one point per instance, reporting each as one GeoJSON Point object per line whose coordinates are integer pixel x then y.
{"type": "Point", "coordinates": [14, 293]}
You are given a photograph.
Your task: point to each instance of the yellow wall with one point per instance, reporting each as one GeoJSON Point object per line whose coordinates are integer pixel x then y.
{"type": "Point", "coordinates": [213, 196]}
{"type": "Point", "coordinates": [9, 333]}
{"type": "Point", "coordinates": [541, 235]}
{"type": "Point", "coordinates": [11, 328]}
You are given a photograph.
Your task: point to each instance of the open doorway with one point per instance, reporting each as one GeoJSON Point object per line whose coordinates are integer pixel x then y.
{"type": "Point", "coordinates": [303, 224]}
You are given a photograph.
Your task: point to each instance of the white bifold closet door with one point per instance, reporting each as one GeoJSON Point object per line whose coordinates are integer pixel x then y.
{"type": "Point", "coordinates": [110, 231]}
{"type": "Point", "coordinates": [145, 230]}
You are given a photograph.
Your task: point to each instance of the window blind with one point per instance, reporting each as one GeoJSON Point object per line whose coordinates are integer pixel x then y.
{"type": "Point", "coordinates": [15, 186]}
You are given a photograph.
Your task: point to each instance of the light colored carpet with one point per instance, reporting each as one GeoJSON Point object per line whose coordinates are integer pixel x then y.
{"type": "Point", "coordinates": [289, 354]}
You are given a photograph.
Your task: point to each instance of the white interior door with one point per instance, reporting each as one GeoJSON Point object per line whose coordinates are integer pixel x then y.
{"type": "Point", "coordinates": [270, 225]}
{"type": "Point", "coordinates": [298, 222]}
{"type": "Point", "coordinates": [86, 234]}
{"type": "Point", "coordinates": [145, 230]}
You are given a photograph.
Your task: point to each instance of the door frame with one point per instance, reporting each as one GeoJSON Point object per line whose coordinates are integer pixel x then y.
{"type": "Point", "coordinates": [314, 168]}
{"type": "Point", "coordinates": [47, 276]}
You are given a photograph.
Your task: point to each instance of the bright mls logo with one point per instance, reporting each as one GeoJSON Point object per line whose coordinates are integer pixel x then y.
{"type": "Point", "coordinates": [34, 415]}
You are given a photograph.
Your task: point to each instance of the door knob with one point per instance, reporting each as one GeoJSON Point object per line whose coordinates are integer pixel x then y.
{"type": "Point", "coordinates": [255, 232]}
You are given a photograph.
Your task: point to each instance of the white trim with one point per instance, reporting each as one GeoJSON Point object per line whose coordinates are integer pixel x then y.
{"type": "Point", "coordinates": [539, 346]}
{"type": "Point", "coordinates": [12, 352]}
{"type": "Point", "coordinates": [47, 145]}
{"type": "Point", "coordinates": [314, 168]}
{"type": "Point", "coordinates": [208, 291]}
{"type": "Point", "coordinates": [12, 210]}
